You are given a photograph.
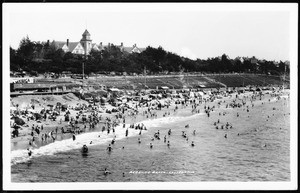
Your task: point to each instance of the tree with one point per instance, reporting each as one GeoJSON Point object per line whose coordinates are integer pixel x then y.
{"type": "Point", "coordinates": [26, 49]}
{"type": "Point", "coordinates": [154, 60]}
{"type": "Point", "coordinates": [15, 60]}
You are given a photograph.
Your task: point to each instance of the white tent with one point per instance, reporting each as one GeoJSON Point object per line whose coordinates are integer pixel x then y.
{"type": "Point", "coordinates": [200, 93]}
{"type": "Point", "coordinates": [206, 96]}
{"type": "Point", "coordinates": [31, 110]}
{"type": "Point", "coordinates": [165, 87]}
{"type": "Point", "coordinates": [13, 108]}
{"type": "Point", "coordinates": [114, 89]}
{"type": "Point", "coordinates": [192, 95]}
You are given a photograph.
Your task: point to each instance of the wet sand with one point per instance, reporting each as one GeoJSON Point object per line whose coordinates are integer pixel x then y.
{"type": "Point", "coordinates": [22, 142]}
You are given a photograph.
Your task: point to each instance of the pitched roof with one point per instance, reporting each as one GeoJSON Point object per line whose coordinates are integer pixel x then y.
{"type": "Point", "coordinates": [59, 44]}
{"type": "Point", "coordinates": [128, 49]}
{"type": "Point", "coordinates": [131, 49]}
{"type": "Point", "coordinates": [86, 33]}
{"type": "Point", "coordinates": [72, 46]}
{"type": "Point", "coordinates": [101, 47]}
{"type": "Point", "coordinates": [142, 49]}
{"type": "Point", "coordinates": [95, 47]}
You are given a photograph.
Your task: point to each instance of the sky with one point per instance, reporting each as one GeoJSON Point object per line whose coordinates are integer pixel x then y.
{"type": "Point", "coordinates": [192, 30]}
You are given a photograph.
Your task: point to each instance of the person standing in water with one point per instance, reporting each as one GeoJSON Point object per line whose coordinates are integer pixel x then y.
{"type": "Point", "coordinates": [113, 141]}
{"type": "Point", "coordinates": [29, 152]}
{"type": "Point", "coordinates": [106, 171]}
{"type": "Point", "coordinates": [109, 148]}
{"type": "Point", "coordinates": [74, 137]}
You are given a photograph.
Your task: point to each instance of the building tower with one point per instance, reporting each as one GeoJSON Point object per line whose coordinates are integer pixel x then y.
{"type": "Point", "coordinates": [86, 42]}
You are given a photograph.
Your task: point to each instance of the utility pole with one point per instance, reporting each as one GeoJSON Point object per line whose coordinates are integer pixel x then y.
{"type": "Point", "coordinates": [145, 76]}
{"type": "Point", "coordinates": [284, 75]}
{"type": "Point", "coordinates": [82, 71]}
{"type": "Point", "coordinates": [84, 60]}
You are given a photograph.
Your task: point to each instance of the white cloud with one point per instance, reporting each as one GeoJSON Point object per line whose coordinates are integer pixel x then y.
{"type": "Point", "coordinates": [186, 52]}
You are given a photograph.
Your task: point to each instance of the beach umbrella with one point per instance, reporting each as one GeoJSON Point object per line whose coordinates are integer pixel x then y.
{"type": "Point", "coordinates": [31, 110]}
{"type": "Point", "coordinates": [13, 108]}
{"type": "Point", "coordinates": [18, 120]}
{"type": "Point", "coordinates": [102, 100]}
{"type": "Point", "coordinates": [64, 107]}
{"type": "Point", "coordinates": [37, 116]}
{"type": "Point", "coordinates": [201, 93]}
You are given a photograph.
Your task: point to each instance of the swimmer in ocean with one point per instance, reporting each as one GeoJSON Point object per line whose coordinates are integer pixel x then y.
{"type": "Point", "coordinates": [29, 152]}
{"type": "Point", "coordinates": [106, 171]}
{"type": "Point", "coordinates": [113, 141]}
{"type": "Point", "coordinates": [192, 144]}
{"type": "Point", "coordinates": [109, 148]}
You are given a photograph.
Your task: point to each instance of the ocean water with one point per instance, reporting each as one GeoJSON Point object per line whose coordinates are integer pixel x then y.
{"type": "Point", "coordinates": [256, 149]}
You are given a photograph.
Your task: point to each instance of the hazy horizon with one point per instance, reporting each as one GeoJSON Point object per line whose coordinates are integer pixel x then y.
{"type": "Point", "coordinates": [190, 30]}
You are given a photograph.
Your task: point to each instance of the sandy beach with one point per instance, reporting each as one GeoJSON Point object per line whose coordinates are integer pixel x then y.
{"type": "Point", "coordinates": [27, 138]}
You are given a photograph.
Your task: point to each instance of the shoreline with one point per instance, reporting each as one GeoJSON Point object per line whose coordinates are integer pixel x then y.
{"type": "Point", "coordinates": [140, 118]}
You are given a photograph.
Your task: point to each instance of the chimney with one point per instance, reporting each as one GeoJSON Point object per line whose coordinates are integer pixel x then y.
{"type": "Point", "coordinates": [108, 44]}
{"type": "Point", "coordinates": [101, 44]}
{"type": "Point", "coordinates": [48, 41]}
{"type": "Point", "coordinates": [122, 44]}
{"type": "Point", "coordinates": [134, 45]}
{"type": "Point", "coordinates": [67, 42]}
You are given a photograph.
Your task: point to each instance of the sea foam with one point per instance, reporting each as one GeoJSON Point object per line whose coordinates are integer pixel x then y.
{"type": "Point", "coordinates": [21, 156]}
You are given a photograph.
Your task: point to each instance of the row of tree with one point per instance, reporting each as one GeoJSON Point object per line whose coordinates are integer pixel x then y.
{"type": "Point", "coordinates": [44, 57]}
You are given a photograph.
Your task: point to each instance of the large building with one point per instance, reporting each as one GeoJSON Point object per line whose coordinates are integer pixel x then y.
{"type": "Point", "coordinates": [85, 45]}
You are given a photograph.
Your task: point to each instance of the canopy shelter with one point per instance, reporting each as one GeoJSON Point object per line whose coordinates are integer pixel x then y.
{"type": "Point", "coordinates": [200, 93]}
{"type": "Point", "coordinates": [13, 108]}
{"type": "Point", "coordinates": [31, 110]}
{"type": "Point", "coordinates": [18, 120]}
{"type": "Point", "coordinates": [164, 87]}
{"type": "Point", "coordinates": [37, 116]}
{"type": "Point", "coordinates": [114, 89]}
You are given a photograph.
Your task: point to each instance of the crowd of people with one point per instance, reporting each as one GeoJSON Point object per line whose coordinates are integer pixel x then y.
{"type": "Point", "coordinates": [73, 121]}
